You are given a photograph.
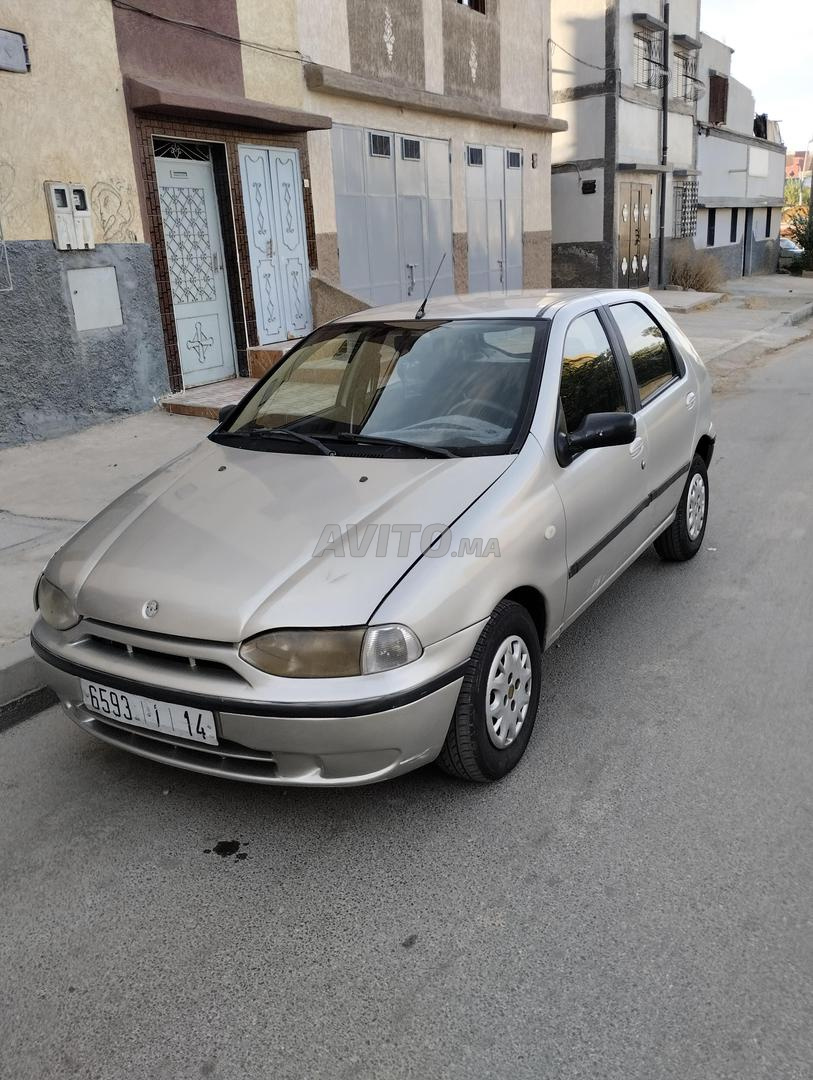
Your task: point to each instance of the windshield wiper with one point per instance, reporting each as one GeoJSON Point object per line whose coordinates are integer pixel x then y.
{"type": "Point", "coordinates": [374, 440]}
{"type": "Point", "coordinates": [282, 433]}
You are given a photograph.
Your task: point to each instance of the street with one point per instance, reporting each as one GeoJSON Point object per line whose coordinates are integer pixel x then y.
{"type": "Point", "coordinates": [632, 903]}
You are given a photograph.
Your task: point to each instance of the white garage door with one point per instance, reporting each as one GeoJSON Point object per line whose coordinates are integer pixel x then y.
{"type": "Point", "coordinates": [393, 213]}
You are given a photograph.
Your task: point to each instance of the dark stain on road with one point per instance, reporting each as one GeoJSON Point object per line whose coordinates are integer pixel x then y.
{"type": "Point", "coordinates": [408, 942]}
{"type": "Point", "coordinates": [226, 848]}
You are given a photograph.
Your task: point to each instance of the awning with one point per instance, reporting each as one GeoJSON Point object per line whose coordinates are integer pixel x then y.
{"type": "Point", "coordinates": [178, 99]}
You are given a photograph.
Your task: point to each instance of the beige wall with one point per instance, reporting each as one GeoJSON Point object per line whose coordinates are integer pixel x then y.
{"type": "Point", "coordinates": [269, 77]}
{"type": "Point", "coordinates": [66, 120]}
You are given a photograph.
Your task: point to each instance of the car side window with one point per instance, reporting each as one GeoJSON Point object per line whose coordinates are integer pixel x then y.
{"type": "Point", "coordinates": [649, 351]}
{"type": "Point", "coordinates": [590, 379]}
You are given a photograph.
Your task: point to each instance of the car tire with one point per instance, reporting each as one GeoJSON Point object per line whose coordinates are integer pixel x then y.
{"type": "Point", "coordinates": [480, 746]}
{"type": "Point", "coordinates": [684, 537]}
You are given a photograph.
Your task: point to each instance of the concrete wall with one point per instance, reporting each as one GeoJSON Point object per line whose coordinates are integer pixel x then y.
{"type": "Point", "coordinates": [66, 120]}
{"type": "Point", "coordinates": [57, 379]}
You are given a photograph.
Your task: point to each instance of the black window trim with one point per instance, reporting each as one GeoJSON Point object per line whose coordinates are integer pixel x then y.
{"type": "Point", "coordinates": [674, 352]}
{"type": "Point", "coordinates": [627, 385]}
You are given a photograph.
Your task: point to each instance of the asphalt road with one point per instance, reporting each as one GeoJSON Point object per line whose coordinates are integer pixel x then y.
{"type": "Point", "coordinates": [633, 903]}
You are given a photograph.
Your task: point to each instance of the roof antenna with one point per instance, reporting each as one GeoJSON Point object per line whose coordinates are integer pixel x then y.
{"type": "Point", "coordinates": [419, 314]}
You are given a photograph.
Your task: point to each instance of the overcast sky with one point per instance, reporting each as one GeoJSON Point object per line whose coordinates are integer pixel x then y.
{"type": "Point", "coordinates": [773, 55]}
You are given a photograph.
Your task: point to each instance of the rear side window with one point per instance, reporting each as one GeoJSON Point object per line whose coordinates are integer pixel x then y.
{"type": "Point", "coordinates": [590, 379]}
{"type": "Point", "coordinates": [649, 350]}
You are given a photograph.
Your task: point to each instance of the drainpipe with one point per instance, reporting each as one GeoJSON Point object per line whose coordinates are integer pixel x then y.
{"type": "Point", "coordinates": [664, 146]}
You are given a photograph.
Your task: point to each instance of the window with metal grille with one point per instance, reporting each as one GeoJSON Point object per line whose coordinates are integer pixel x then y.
{"type": "Point", "coordinates": [379, 145]}
{"type": "Point", "coordinates": [648, 59]}
{"type": "Point", "coordinates": [181, 151]}
{"type": "Point", "coordinates": [411, 149]}
{"type": "Point", "coordinates": [475, 5]}
{"type": "Point", "coordinates": [734, 222]}
{"type": "Point", "coordinates": [711, 225]}
{"type": "Point", "coordinates": [474, 155]}
{"type": "Point", "coordinates": [513, 159]}
{"type": "Point", "coordinates": [685, 208]}
{"type": "Point", "coordinates": [718, 99]}
{"type": "Point", "coordinates": [686, 85]}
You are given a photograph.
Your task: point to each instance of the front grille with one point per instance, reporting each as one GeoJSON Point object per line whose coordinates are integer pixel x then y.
{"type": "Point", "coordinates": [227, 759]}
{"type": "Point", "coordinates": [153, 656]}
{"type": "Point", "coordinates": [145, 656]}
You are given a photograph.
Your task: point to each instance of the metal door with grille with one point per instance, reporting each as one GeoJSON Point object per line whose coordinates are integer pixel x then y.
{"type": "Point", "coordinates": [634, 235]}
{"type": "Point", "coordinates": [277, 242]}
{"type": "Point", "coordinates": [194, 250]}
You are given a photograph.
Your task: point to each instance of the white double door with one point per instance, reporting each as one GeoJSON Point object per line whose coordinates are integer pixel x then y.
{"type": "Point", "coordinates": [194, 249]}
{"type": "Point", "coordinates": [494, 212]}
{"type": "Point", "coordinates": [277, 244]}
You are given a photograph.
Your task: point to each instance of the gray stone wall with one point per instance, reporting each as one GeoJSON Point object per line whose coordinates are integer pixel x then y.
{"type": "Point", "coordinates": [55, 379]}
{"type": "Point", "coordinates": [764, 256]}
{"type": "Point", "coordinates": [582, 265]}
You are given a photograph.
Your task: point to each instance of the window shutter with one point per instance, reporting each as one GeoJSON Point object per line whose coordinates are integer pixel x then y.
{"type": "Point", "coordinates": [718, 99]}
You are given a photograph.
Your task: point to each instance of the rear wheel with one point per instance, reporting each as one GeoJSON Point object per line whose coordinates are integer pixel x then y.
{"type": "Point", "coordinates": [684, 537]}
{"type": "Point", "coordinates": [496, 709]}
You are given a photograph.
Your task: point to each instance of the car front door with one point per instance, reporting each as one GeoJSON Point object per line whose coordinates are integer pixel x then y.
{"type": "Point", "coordinates": [666, 408]}
{"type": "Point", "coordinates": [603, 490]}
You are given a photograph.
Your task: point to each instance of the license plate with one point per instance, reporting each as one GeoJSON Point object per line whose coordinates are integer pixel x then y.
{"type": "Point", "coordinates": [179, 720]}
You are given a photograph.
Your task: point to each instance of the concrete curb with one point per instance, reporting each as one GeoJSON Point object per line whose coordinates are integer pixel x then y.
{"type": "Point", "coordinates": [793, 318]}
{"type": "Point", "coordinates": [22, 693]}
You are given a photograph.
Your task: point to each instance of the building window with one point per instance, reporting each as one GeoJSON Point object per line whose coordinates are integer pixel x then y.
{"type": "Point", "coordinates": [411, 149]}
{"type": "Point", "coordinates": [718, 99]}
{"type": "Point", "coordinates": [379, 145]}
{"type": "Point", "coordinates": [648, 58]}
{"type": "Point", "coordinates": [685, 84]}
{"type": "Point", "coordinates": [685, 208]}
{"type": "Point", "coordinates": [474, 155]}
{"type": "Point", "coordinates": [513, 159]}
{"type": "Point", "coordinates": [735, 215]}
{"type": "Point", "coordinates": [475, 5]}
{"type": "Point", "coordinates": [768, 216]}
{"type": "Point", "coordinates": [711, 224]}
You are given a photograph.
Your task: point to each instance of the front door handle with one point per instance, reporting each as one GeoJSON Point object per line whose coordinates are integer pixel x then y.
{"type": "Point", "coordinates": [636, 447]}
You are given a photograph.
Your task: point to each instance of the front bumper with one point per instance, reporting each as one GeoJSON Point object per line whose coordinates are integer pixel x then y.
{"type": "Point", "coordinates": [322, 743]}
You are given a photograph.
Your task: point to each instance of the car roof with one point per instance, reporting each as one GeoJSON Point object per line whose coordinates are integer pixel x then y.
{"type": "Point", "coordinates": [520, 304]}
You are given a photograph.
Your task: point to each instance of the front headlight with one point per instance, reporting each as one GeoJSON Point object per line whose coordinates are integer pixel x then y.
{"type": "Point", "coordinates": [54, 606]}
{"type": "Point", "coordinates": [331, 654]}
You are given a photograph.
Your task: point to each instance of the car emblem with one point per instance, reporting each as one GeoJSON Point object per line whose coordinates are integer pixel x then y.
{"type": "Point", "coordinates": [150, 609]}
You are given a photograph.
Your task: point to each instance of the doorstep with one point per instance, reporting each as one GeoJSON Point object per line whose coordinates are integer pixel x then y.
{"type": "Point", "coordinates": [207, 400]}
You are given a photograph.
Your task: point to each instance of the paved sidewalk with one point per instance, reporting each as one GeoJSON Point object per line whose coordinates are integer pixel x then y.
{"type": "Point", "coordinates": [50, 488]}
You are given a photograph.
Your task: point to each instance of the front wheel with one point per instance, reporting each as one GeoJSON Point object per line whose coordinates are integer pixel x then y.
{"type": "Point", "coordinates": [683, 538]}
{"type": "Point", "coordinates": [495, 712]}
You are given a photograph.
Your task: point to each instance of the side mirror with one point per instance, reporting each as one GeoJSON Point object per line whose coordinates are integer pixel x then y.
{"type": "Point", "coordinates": [598, 429]}
{"type": "Point", "coordinates": [226, 413]}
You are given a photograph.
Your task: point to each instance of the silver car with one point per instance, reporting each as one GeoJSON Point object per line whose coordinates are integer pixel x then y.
{"type": "Point", "coordinates": [358, 571]}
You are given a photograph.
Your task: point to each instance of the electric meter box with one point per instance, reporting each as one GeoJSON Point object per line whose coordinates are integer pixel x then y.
{"type": "Point", "coordinates": [69, 211]}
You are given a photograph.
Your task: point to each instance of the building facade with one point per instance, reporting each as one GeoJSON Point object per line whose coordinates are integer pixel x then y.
{"type": "Point", "coordinates": [651, 153]}
{"type": "Point", "coordinates": [741, 162]}
{"type": "Point", "coordinates": [249, 170]}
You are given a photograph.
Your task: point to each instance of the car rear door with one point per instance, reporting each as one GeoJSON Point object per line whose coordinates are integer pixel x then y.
{"type": "Point", "coordinates": [666, 405]}
{"type": "Point", "coordinates": [602, 489]}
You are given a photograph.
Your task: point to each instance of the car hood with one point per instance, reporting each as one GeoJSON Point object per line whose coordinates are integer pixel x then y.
{"type": "Point", "coordinates": [224, 539]}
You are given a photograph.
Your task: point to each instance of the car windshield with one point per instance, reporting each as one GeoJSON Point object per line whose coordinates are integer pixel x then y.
{"type": "Point", "coordinates": [396, 388]}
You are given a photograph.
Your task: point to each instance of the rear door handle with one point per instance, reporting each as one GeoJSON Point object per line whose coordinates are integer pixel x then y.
{"type": "Point", "coordinates": [690, 399]}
